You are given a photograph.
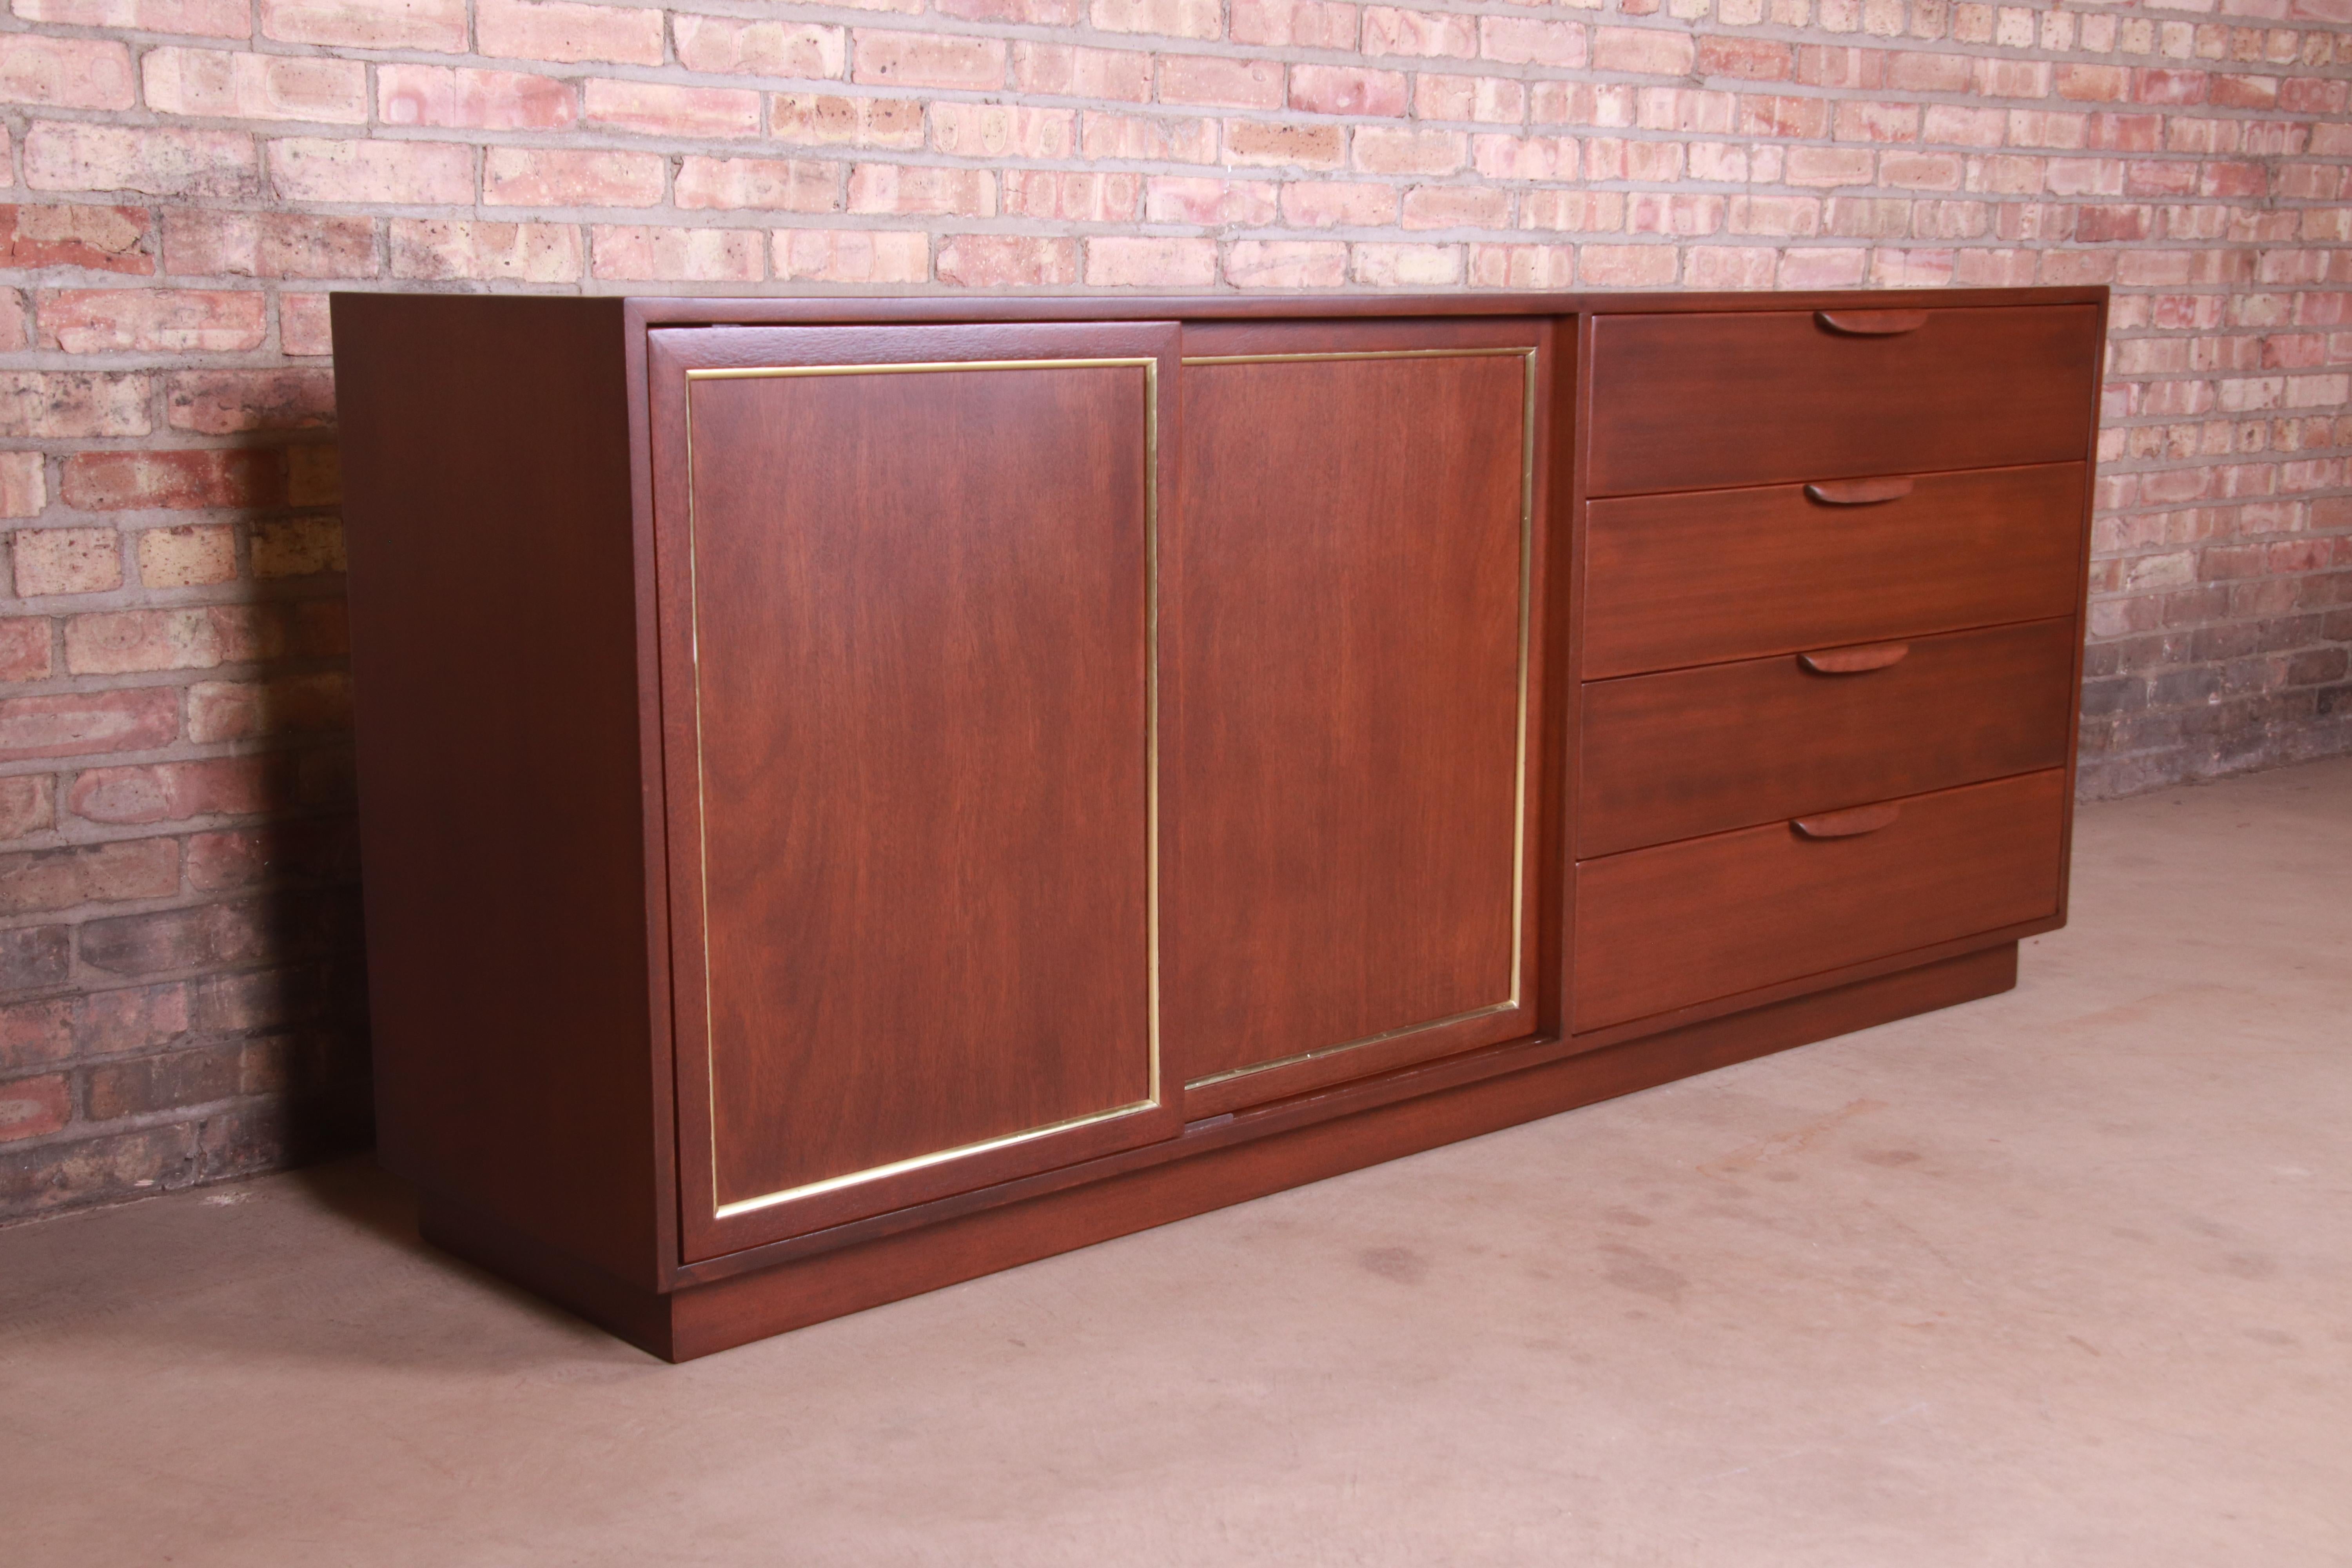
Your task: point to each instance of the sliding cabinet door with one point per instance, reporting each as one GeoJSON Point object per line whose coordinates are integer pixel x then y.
{"type": "Point", "coordinates": [908, 580]}
{"type": "Point", "coordinates": [1353, 649]}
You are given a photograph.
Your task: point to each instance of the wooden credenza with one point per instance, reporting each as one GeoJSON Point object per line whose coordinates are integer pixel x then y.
{"type": "Point", "coordinates": [858, 794]}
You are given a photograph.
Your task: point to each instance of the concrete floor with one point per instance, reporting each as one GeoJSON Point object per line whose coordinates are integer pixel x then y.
{"type": "Point", "coordinates": [2061, 1278]}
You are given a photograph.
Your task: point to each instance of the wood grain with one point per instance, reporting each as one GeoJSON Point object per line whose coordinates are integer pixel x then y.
{"type": "Point", "coordinates": [1691, 752]}
{"type": "Point", "coordinates": [1700, 401]}
{"type": "Point", "coordinates": [1662, 927]}
{"type": "Point", "coordinates": [1694, 579]}
{"type": "Point", "coordinates": [1343, 724]}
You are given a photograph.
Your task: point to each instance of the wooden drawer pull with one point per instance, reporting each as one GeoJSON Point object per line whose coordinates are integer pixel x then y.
{"type": "Point", "coordinates": [1871, 323]}
{"type": "Point", "coordinates": [1858, 492]}
{"type": "Point", "coordinates": [1854, 660]}
{"type": "Point", "coordinates": [1847, 824]}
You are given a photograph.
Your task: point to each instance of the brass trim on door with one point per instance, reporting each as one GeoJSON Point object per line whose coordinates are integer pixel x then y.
{"type": "Point", "coordinates": [1519, 773]}
{"type": "Point", "coordinates": [1150, 368]}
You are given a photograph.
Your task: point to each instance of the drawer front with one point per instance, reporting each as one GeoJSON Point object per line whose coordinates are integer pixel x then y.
{"type": "Point", "coordinates": [1703, 751]}
{"type": "Point", "coordinates": [1678, 579]}
{"type": "Point", "coordinates": [1689, 402]}
{"type": "Point", "coordinates": [1682, 923]}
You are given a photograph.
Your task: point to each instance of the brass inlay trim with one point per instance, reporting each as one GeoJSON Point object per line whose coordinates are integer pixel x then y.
{"type": "Point", "coordinates": [1519, 768]}
{"type": "Point", "coordinates": [1150, 368]}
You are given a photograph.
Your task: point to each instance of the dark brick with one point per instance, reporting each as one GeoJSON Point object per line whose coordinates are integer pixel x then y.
{"type": "Point", "coordinates": [35, 956]}
{"type": "Point", "coordinates": [35, 1034]}
{"type": "Point", "coordinates": [220, 936]}
{"type": "Point", "coordinates": [176, 1079]}
{"type": "Point", "coordinates": [118, 1165]}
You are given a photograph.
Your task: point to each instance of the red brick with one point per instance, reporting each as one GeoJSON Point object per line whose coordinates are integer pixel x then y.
{"type": "Point", "coordinates": [1122, 261]}
{"type": "Point", "coordinates": [170, 320]}
{"type": "Point", "coordinates": [562, 31]}
{"type": "Point", "coordinates": [152, 160]}
{"type": "Point", "coordinates": [909, 189]}
{"type": "Point", "coordinates": [433, 26]}
{"type": "Point", "coordinates": [1286, 264]}
{"type": "Point", "coordinates": [924, 59]}
{"type": "Point", "coordinates": [33, 956]}
{"type": "Point", "coordinates": [202, 636]}
{"type": "Point", "coordinates": [2093, 84]}
{"type": "Point", "coordinates": [45, 880]}
{"type": "Point", "coordinates": [188, 556]}
{"type": "Point", "coordinates": [1007, 261]}
{"type": "Point", "coordinates": [240, 710]}
{"type": "Point", "coordinates": [851, 255]}
{"type": "Point", "coordinates": [88, 723]}
{"type": "Point", "coordinates": [732, 46]}
{"type": "Point", "coordinates": [23, 484]}
{"type": "Point", "coordinates": [227, 402]}
{"type": "Point", "coordinates": [688, 255]}
{"type": "Point", "coordinates": [65, 73]}
{"type": "Point", "coordinates": [107, 239]}
{"type": "Point", "coordinates": [222, 84]}
{"type": "Point", "coordinates": [67, 561]}
{"type": "Point", "coordinates": [24, 655]}
{"type": "Point", "coordinates": [2169, 86]}
{"type": "Point", "coordinates": [1749, 59]}
{"type": "Point", "coordinates": [1428, 34]}
{"type": "Point", "coordinates": [1907, 73]}
{"type": "Point", "coordinates": [30, 1107]}
{"type": "Point", "coordinates": [474, 100]}
{"type": "Point", "coordinates": [768, 184]}
{"type": "Point", "coordinates": [212, 241]}
{"type": "Point", "coordinates": [655, 108]}
{"type": "Point", "coordinates": [404, 173]}
{"type": "Point", "coordinates": [1866, 121]}
{"type": "Point", "coordinates": [213, 19]}
{"type": "Point", "coordinates": [134, 1018]}
{"type": "Point", "coordinates": [35, 1034]}
{"type": "Point", "coordinates": [183, 1079]}
{"type": "Point", "coordinates": [297, 547]}
{"type": "Point", "coordinates": [551, 177]}
{"type": "Point", "coordinates": [1343, 90]}
{"type": "Point", "coordinates": [303, 327]}
{"type": "Point", "coordinates": [2244, 92]}
{"type": "Point", "coordinates": [130, 481]}
{"type": "Point", "coordinates": [527, 252]}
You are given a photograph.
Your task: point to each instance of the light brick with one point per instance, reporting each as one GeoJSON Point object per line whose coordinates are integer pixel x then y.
{"type": "Point", "coordinates": [1061, 71]}
{"type": "Point", "coordinates": [563, 177]}
{"type": "Point", "coordinates": [655, 108]}
{"type": "Point", "coordinates": [1382, 149]}
{"type": "Point", "coordinates": [221, 85]}
{"type": "Point", "coordinates": [88, 723]}
{"type": "Point", "coordinates": [729, 45]}
{"type": "Point", "coordinates": [72, 404]}
{"type": "Point", "coordinates": [1286, 264]}
{"type": "Point", "coordinates": [231, 401]}
{"type": "Point", "coordinates": [1294, 23]}
{"type": "Point", "coordinates": [107, 239]}
{"type": "Point", "coordinates": [24, 655]}
{"type": "Point", "coordinates": [1171, 18]}
{"type": "Point", "coordinates": [922, 59]}
{"type": "Point", "coordinates": [177, 792]}
{"type": "Point", "coordinates": [1517, 40]}
{"type": "Point", "coordinates": [832, 120]}
{"type": "Point", "coordinates": [1425, 35]}
{"type": "Point", "coordinates": [1405, 265]}
{"type": "Point", "coordinates": [203, 636]}
{"type": "Point", "coordinates": [1218, 82]}
{"type": "Point", "coordinates": [191, 556]}
{"type": "Point", "coordinates": [1007, 261]}
{"type": "Point", "coordinates": [1157, 140]}
{"type": "Point", "coordinates": [1327, 203]}
{"type": "Point", "coordinates": [996, 131]}
{"type": "Point", "coordinates": [1194, 199]}
{"type": "Point", "coordinates": [1541, 267]}
{"type": "Point", "coordinates": [403, 173]}
{"type": "Point", "coordinates": [433, 26]}
{"type": "Point", "coordinates": [467, 248]}
{"type": "Point", "coordinates": [216, 164]}
{"type": "Point", "coordinates": [565, 33]}
{"type": "Point", "coordinates": [213, 19]}
{"type": "Point", "coordinates": [1627, 266]}
{"type": "Point", "coordinates": [64, 73]}
{"type": "Point", "coordinates": [23, 484]}
{"type": "Point", "coordinates": [907, 189]}
{"type": "Point", "coordinates": [771, 184]}
{"type": "Point", "coordinates": [28, 805]}
{"type": "Point", "coordinates": [1343, 90]}
{"type": "Point", "coordinates": [1650, 51]}
{"type": "Point", "coordinates": [167, 320]}
{"type": "Point", "coordinates": [851, 255]}
{"type": "Point", "coordinates": [212, 240]}
{"type": "Point", "coordinates": [474, 100]}
{"type": "Point", "coordinates": [685, 255]}
{"type": "Point", "coordinates": [1069, 197]}
{"type": "Point", "coordinates": [67, 561]}
{"type": "Point", "coordinates": [1124, 261]}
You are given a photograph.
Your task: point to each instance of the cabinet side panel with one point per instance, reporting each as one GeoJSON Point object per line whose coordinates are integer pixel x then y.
{"type": "Point", "coordinates": [485, 458]}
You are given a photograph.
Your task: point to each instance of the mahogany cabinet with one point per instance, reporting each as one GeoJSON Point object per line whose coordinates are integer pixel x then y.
{"type": "Point", "coordinates": [856, 794]}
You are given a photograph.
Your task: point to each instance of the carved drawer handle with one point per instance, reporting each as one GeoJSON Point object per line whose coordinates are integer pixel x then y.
{"type": "Point", "coordinates": [1847, 824]}
{"type": "Point", "coordinates": [1858, 492]}
{"type": "Point", "coordinates": [1854, 660]}
{"type": "Point", "coordinates": [1871, 323]}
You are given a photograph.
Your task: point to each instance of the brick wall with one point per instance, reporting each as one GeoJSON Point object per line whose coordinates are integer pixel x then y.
{"type": "Point", "coordinates": [179, 994]}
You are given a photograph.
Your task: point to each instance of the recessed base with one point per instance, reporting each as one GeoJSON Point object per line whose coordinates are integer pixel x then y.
{"type": "Point", "coordinates": [698, 1320]}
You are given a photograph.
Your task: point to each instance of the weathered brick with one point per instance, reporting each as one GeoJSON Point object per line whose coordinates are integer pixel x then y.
{"type": "Point", "coordinates": [35, 1034]}
{"type": "Point", "coordinates": [175, 479]}
{"type": "Point", "coordinates": [566, 33]}
{"type": "Point", "coordinates": [67, 561]}
{"type": "Point", "coordinates": [474, 100]}
{"type": "Point", "coordinates": [301, 546]}
{"type": "Point", "coordinates": [434, 26]}
{"type": "Point", "coordinates": [213, 19]}
{"type": "Point", "coordinates": [1382, 149]}
{"type": "Point", "coordinates": [404, 173]}
{"type": "Point", "coordinates": [103, 321]}
{"type": "Point", "coordinates": [828, 120]}
{"type": "Point", "coordinates": [24, 655]}
{"type": "Point", "coordinates": [1172, 18]}
{"type": "Point", "coordinates": [88, 723]}
{"type": "Point", "coordinates": [1251, 141]}
{"type": "Point", "coordinates": [65, 73]}
{"type": "Point", "coordinates": [176, 792]}
{"type": "Point", "coordinates": [996, 131]}
{"type": "Point", "coordinates": [203, 636]}
{"type": "Point", "coordinates": [1069, 197]}
{"type": "Point", "coordinates": [30, 1107]}
{"type": "Point", "coordinates": [851, 255]}
{"type": "Point", "coordinates": [1522, 265]}
{"type": "Point", "coordinates": [152, 160]}
{"type": "Point", "coordinates": [1425, 35]}
{"type": "Point", "coordinates": [690, 254]}
{"type": "Point", "coordinates": [213, 240]}
{"type": "Point", "coordinates": [1123, 261]}
{"type": "Point", "coordinates": [238, 710]}
{"type": "Point", "coordinates": [1519, 40]}
{"type": "Point", "coordinates": [731, 46]}
{"type": "Point", "coordinates": [220, 84]}
{"type": "Point", "coordinates": [189, 556]}
{"type": "Point", "coordinates": [197, 1076]}
{"type": "Point", "coordinates": [1196, 199]}
{"type": "Point", "coordinates": [770, 184]}
{"type": "Point", "coordinates": [554, 177]}
{"type": "Point", "coordinates": [23, 484]}
{"type": "Point", "coordinates": [654, 108]}
{"type": "Point", "coordinates": [1006, 261]}
{"type": "Point", "coordinates": [446, 248]}
{"type": "Point", "coordinates": [907, 189]}
{"type": "Point", "coordinates": [1061, 71]}
{"type": "Point", "coordinates": [130, 1018]}
{"type": "Point", "coordinates": [923, 59]}
{"type": "Point", "coordinates": [1294, 23]}
{"type": "Point", "coordinates": [45, 880]}
{"type": "Point", "coordinates": [1343, 90]}
{"type": "Point", "coordinates": [107, 239]}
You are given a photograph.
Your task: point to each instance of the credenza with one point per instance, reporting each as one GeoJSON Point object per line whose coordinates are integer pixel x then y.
{"type": "Point", "coordinates": [860, 793]}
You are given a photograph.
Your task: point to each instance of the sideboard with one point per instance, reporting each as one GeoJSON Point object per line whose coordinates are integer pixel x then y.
{"type": "Point", "coordinates": [860, 793]}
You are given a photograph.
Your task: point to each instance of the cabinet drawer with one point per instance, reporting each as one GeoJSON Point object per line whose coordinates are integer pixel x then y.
{"type": "Point", "coordinates": [1663, 928]}
{"type": "Point", "coordinates": [1700, 751]}
{"type": "Point", "coordinates": [1693, 401]}
{"type": "Point", "coordinates": [1677, 579]}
